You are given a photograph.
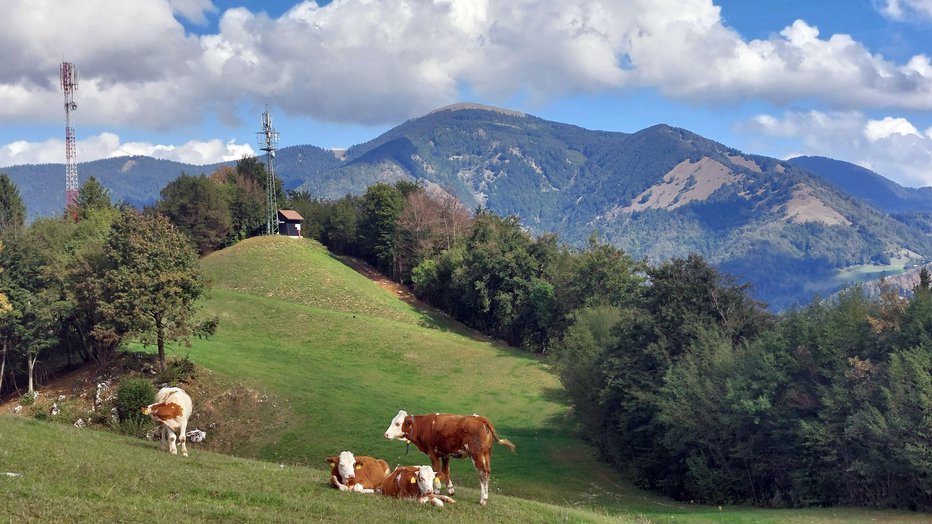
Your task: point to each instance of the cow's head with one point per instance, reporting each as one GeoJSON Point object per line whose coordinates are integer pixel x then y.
{"type": "Point", "coordinates": [399, 427]}
{"type": "Point", "coordinates": [425, 480]}
{"type": "Point", "coordinates": [346, 465]}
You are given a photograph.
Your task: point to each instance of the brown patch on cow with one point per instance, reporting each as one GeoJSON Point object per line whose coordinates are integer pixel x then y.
{"type": "Point", "coordinates": [401, 483]}
{"type": "Point", "coordinates": [166, 411]}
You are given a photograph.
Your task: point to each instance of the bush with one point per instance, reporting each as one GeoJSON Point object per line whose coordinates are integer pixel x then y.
{"type": "Point", "coordinates": [177, 370]}
{"type": "Point", "coordinates": [133, 394]}
{"type": "Point", "coordinates": [27, 399]}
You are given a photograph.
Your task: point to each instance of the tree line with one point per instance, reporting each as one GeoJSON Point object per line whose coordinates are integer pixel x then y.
{"type": "Point", "coordinates": [677, 376]}
{"type": "Point", "coordinates": [75, 288]}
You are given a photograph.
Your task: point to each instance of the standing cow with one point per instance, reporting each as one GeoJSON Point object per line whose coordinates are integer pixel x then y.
{"type": "Point", "coordinates": [171, 411]}
{"type": "Point", "coordinates": [442, 435]}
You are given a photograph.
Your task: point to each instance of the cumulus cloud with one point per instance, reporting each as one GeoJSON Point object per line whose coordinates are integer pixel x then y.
{"type": "Point", "coordinates": [904, 9]}
{"type": "Point", "coordinates": [365, 62]}
{"type": "Point", "coordinates": [876, 130]}
{"type": "Point", "coordinates": [107, 145]}
{"type": "Point", "coordinates": [891, 146]}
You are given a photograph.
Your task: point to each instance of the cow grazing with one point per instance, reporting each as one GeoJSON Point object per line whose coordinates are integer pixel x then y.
{"type": "Point", "coordinates": [171, 411]}
{"type": "Point", "coordinates": [361, 474]}
{"type": "Point", "coordinates": [416, 482]}
{"type": "Point", "coordinates": [442, 435]}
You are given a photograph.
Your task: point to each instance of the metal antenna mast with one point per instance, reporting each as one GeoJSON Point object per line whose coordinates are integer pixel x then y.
{"type": "Point", "coordinates": [69, 84]}
{"type": "Point", "coordinates": [268, 142]}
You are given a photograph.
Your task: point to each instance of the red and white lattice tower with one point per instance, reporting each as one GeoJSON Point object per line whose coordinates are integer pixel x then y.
{"type": "Point", "coordinates": [69, 84]}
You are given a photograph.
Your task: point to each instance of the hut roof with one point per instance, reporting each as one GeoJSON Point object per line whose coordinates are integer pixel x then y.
{"type": "Point", "coordinates": [290, 214]}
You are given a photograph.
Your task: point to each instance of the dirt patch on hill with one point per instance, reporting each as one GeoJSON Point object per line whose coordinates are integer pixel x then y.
{"type": "Point", "coordinates": [804, 206]}
{"type": "Point", "coordinates": [400, 291]}
{"type": "Point", "coordinates": [236, 417]}
{"type": "Point", "coordinates": [687, 182]}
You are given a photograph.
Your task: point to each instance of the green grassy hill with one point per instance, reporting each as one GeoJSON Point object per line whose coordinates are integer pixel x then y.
{"type": "Point", "coordinates": [340, 356]}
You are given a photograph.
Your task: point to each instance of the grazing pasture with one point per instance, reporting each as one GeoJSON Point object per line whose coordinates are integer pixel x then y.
{"type": "Point", "coordinates": [344, 356]}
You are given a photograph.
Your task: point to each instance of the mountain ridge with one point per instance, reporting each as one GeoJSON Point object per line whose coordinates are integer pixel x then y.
{"type": "Point", "coordinates": [659, 192]}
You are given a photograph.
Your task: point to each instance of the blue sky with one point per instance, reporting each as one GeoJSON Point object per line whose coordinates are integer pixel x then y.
{"type": "Point", "coordinates": [189, 79]}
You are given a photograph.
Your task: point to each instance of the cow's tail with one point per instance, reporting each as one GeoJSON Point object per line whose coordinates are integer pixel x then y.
{"type": "Point", "coordinates": [503, 441]}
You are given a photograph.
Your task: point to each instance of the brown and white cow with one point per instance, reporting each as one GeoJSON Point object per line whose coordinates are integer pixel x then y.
{"type": "Point", "coordinates": [416, 482]}
{"type": "Point", "coordinates": [442, 435]}
{"type": "Point", "coordinates": [361, 474]}
{"type": "Point", "coordinates": [171, 411]}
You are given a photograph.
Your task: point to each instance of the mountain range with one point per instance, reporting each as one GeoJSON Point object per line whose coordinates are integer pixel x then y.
{"type": "Point", "coordinates": [791, 228]}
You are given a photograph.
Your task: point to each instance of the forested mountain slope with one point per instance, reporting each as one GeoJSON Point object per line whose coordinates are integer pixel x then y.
{"type": "Point", "coordinates": [658, 193]}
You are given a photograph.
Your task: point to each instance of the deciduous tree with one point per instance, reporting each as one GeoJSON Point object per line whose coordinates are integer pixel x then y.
{"type": "Point", "coordinates": [152, 280]}
{"type": "Point", "coordinates": [195, 205]}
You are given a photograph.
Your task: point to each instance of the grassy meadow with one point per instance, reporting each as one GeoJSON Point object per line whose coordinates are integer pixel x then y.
{"type": "Point", "coordinates": [342, 356]}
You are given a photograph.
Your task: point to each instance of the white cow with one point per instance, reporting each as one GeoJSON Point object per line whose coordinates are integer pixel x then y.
{"type": "Point", "coordinates": [171, 411]}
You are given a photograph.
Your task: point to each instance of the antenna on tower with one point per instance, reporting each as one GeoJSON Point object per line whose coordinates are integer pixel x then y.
{"type": "Point", "coordinates": [69, 84]}
{"type": "Point", "coordinates": [268, 142]}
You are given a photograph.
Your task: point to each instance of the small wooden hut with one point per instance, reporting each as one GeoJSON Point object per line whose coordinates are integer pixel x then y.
{"type": "Point", "coordinates": [289, 223]}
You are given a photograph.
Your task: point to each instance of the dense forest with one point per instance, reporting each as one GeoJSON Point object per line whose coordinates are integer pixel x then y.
{"type": "Point", "coordinates": [674, 372]}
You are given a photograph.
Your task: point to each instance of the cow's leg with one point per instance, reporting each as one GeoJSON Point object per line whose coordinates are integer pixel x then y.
{"type": "Point", "coordinates": [484, 469]}
{"type": "Point", "coordinates": [183, 436]}
{"type": "Point", "coordinates": [163, 438]}
{"type": "Point", "coordinates": [446, 475]}
{"type": "Point", "coordinates": [172, 448]}
{"type": "Point", "coordinates": [435, 463]}
{"type": "Point", "coordinates": [335, 482]}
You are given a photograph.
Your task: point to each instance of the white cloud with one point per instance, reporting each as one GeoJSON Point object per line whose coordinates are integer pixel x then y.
{"type": "Point", "coordinates": [876, 130]}
{"type": "Point", "coordinates": [376, 62]}
{"type": "Point", "coordinates": [904, 9]}
{"type": "Point", "coordinates": [891, 146]}
{"type": "Point", "coordinates": [106, 145]}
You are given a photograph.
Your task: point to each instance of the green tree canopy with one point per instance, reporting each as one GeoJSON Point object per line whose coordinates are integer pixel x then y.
{"type": "Point", "coordinates": [92, 197]}
{"type": "Point", "coordinates": [152, 280]}
{"type": "Point", "coordinates": [12, 208]}
{"type": "Point", "coordinates": [380, 208]}
{"type": "Point", "coordinates": [196, 206]}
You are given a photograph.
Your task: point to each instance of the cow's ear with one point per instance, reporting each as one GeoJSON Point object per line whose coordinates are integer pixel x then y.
{"type": "Point", "coordinates": [407, 425]}
{"type": "Point", "coordinates": [358, 465]}
{"type": "Point", "coordinates": [331, 460]}
{"type": "Point", "coordinates": [439, 476]}
{"type": "Point", "coordinates": [413, 480]}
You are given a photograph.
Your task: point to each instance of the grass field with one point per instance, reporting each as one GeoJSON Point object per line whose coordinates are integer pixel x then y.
{"type": "Point", "coordinates": [343, 356]}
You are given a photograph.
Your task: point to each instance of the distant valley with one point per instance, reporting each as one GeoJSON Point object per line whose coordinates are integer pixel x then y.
{"type": "Point", "coordinates": [791, 228]}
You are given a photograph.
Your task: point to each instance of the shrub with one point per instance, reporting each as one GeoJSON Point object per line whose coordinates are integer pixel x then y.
{"type": "Point", "coordinates": [27, 399]}
{"type": "Point", "coordinates": [177, 370]}
{"type": "Point", "coordinates": [133, 394]}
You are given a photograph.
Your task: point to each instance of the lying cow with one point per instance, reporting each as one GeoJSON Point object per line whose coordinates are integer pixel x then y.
{"type": "Point", "coordinates": [416, 482]}
{"type": "Point", "coordinates": [171, 411]}
{"type": "Point", "coordinates": [361, 474]}
{"type": "Point", "coordinates": [442, 435]}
